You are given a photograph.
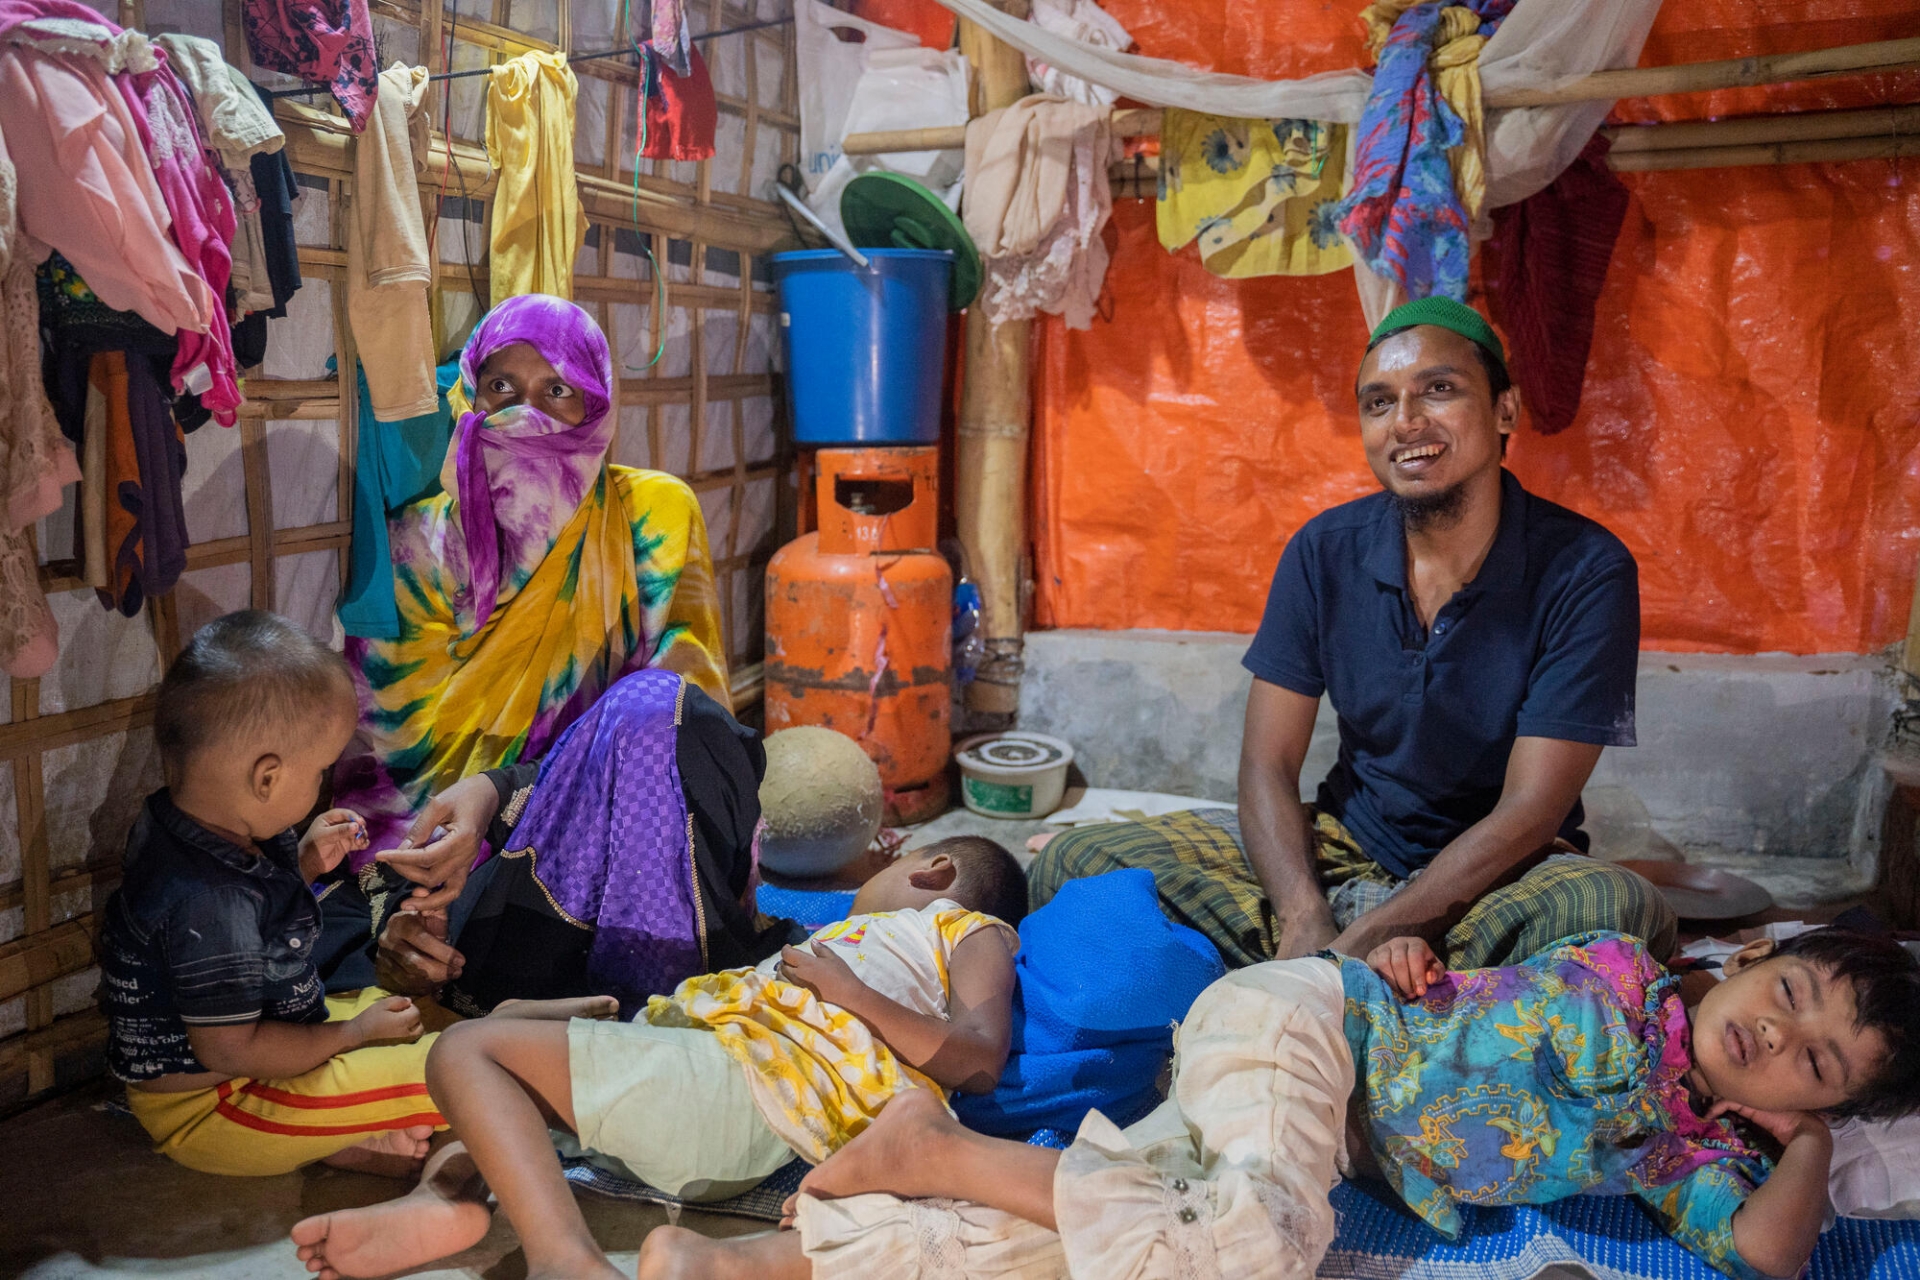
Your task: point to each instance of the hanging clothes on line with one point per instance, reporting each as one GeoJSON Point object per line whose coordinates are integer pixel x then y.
{"type": "Point", "coordinates": [238, 126]}
{"type": "Point", "coordinates": [106, 376]}
{"type": "Point", "coordinates": [1259, 195]}
{"type": "Point", "coordinates": [671, 37]}
{"type": "Point", "coordinates": [397, 463]}
{"type": "Point", "coordinates": [35, 462]}
{"type": "Point", "coordinates": [87, 188]}
{"type": "Point", "coordinates": [326, 42]}
{"type": "Point", "coordinates": [146, 459]}
{"type": "Point", "coordinates": [679, 115]}
{"type": "Point", "coordinates": [1546, 265]}
{"type": "Point", "coordinates": [1084, 22]}
{"type": "Point", "coordinates": [389, 270]}
{"type": "Point", "coordinates": [1420, 174]}
{"type": "Point", "coordinates": [275, 190]}
{"type": "Point", "coordinates": [1037, 198]}
{"type": "Point", "coordinates": [538, 226]}
{"type": "Point", "coordinates": [203, 228]}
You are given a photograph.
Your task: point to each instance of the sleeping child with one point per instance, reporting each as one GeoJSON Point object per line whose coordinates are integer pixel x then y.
{"type": "Point", "coordinates": [1588, 1068]}
{"type": "Point", "coordinates": [718, 1085]}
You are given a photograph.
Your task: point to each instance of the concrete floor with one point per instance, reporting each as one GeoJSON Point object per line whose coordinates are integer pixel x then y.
{"type": "Point", "coordinates": [82, 1195]}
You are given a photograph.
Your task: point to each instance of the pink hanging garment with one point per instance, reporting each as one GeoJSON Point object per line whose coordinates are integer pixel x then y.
{"type": "Point", "coordinates": [204, 222]}
{"type": "Point", "coordinates": [87, 186]}
{"type": "Point", "coordinates": [328, 42]}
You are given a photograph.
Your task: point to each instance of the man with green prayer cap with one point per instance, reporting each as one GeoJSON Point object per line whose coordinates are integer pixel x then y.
{"type": "Point", "coordinates": [1478, 645]}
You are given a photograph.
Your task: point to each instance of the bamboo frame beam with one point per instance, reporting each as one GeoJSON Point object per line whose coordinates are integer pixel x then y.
{"type": "Point", "coordinates": [1803, 126]}
{"type": "Point", "coordinates": [996, 412]}
{"type": "Point", "coordinates": [1633, 82]}
{"type": "Point", "coordinates": [1821, 151]}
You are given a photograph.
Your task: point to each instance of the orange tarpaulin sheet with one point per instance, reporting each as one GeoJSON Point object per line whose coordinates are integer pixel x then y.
{"type": "Point", "coordinates": [1751, 419]}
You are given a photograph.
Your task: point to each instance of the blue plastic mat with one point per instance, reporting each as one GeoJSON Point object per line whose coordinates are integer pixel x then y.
{"type": "Point", "coordinates": [1610, 1237]}
{"type": "Point", "coordinates": [812, 908]}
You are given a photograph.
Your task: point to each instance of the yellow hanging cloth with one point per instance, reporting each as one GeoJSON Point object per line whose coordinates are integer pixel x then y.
{"type": "Point", "coordinates": [1257, 194]}
{"type": "Point", "coordinates": [538, 227]}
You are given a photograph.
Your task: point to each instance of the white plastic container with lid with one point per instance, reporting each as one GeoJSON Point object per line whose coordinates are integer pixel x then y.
{"type": "Point", "coordinates": [1013, 775]}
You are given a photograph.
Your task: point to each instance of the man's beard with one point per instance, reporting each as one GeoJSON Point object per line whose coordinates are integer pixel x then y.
{"type": "Point", "coordinates": [1431, 511]}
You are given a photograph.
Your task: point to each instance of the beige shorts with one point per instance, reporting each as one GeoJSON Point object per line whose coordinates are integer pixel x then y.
{"type": "Point", "coordinates": [1228, 1179]}
{"type": "Point", "coordinates": [667, 1106]}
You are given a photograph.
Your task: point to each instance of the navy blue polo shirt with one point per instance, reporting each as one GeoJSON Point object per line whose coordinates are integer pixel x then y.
{"type": "Point", "coordinates": [1543, 643]}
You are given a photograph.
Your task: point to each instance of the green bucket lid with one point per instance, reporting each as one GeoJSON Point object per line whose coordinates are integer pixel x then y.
{"type": "Point", "coordinates": [888, 211]}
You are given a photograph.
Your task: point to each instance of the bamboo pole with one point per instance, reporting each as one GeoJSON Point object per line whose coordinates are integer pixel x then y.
{"type": "Point", "coordinates": [1732, 73]}
{"type": "Point", "coordinates": [1805, 126]}
{"type": "Point", "coordinates": [990, 498]}
{"type": "Point", "coordinates": [1824, 151]}
{"type": "Point", "coordinates": [1633, 82]}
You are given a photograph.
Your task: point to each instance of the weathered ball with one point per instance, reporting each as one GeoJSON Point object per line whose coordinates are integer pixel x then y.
{"type": "Point", "coordinates": [821, 801]}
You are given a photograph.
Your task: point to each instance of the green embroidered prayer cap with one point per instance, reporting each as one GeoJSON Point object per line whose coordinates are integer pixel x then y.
{"type": "Point", "coordinates": [1445, 313]}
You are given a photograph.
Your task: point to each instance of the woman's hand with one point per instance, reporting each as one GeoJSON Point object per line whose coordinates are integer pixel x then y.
{"type": "Point", "coordinates": [414, 957]}
{"type": "Point", "coordinates": [462, 814]}
{"type": "Point", "coordinates": [1408, 965]}
{"type": "Point", "coordinates": [333, 835]}
{"type": "Point", "coordinates": [822, 972]}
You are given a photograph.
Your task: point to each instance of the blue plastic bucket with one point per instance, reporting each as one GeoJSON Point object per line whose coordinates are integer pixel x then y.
{"type": "Point", "coordinates": [866, 350]}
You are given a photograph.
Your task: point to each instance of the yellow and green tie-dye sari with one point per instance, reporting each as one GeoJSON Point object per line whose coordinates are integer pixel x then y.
{"type": "Point", "coordinates": [573, 573]}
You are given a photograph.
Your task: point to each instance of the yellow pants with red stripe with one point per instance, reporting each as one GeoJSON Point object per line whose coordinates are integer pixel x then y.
{"type": "Point", "coordinates": [256, 1128]}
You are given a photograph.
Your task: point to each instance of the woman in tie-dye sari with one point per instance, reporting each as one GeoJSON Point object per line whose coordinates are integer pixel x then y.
{"type": "Point", "coordinates": [539, 575]}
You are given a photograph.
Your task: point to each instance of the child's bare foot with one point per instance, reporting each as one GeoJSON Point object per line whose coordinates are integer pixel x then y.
{"type": "Point", "coordinates": [889, 1154]}
{"type": "Point", "coordinates": [674, 1253]}
{"type": "Point", "coordinates": [396, 1153]}
{"type": "Point", "coordinates": [558, 1010]}
{"type": "Point", "coordinates": [398, 1235]}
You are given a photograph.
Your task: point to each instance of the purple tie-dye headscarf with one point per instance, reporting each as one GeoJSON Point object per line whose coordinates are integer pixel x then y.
{"type": "Point", "coordinates": [518, 475]}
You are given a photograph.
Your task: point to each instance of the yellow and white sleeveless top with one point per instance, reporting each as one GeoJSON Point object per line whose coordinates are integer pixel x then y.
{"type": "Point", "coordinates": [818, 1074]}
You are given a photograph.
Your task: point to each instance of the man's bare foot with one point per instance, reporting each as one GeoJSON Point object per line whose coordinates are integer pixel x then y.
{"type": "Point", "coordinates": [398, 1235]}
{"type": "Point", "coordinates": [674, 1253]}
{"type": "Point", "coordinates": [558, 1010]}
{"type": "Point", "coordinates": [396, 1153]}
{"type": "Point", "coordinates": [890, 1153]}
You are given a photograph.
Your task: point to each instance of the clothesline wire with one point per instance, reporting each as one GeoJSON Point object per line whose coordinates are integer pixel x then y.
{"type": "Point", "coordinates": [623, 52]}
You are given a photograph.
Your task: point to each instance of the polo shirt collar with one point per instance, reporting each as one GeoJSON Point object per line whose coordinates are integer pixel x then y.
{"type": "Point", "coordinates": [1504, 569]}
{"type": "Point", "coordinates": [183, 828]}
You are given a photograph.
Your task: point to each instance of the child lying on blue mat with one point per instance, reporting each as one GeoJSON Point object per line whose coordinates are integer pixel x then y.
{"type": "Point", "coordinates": [718, 1085]}
{"type": "Point", "coordinates": [1585, 1069]}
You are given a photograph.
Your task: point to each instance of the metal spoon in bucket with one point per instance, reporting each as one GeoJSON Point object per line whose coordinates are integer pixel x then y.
{"type": "Point", "coordinates": [834, 238]}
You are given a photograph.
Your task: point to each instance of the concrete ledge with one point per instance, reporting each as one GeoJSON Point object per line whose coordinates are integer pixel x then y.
{"type": "Point", "coordinates": [1770, 754]}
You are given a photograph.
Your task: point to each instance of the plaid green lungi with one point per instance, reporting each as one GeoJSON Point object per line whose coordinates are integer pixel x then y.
{"type": "Point", "coordinates": [1206, 883]}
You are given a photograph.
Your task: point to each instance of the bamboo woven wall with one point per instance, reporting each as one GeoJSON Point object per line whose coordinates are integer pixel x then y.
{"type": "Point", "coordinates": [269, 502]}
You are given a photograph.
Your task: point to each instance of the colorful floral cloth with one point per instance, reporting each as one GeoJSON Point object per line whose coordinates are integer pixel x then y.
{"type": "Point", "coordinates": [538, 577]}
{"type": "Point", "coordinates": [326, 42]}
{"type": "Point", "coordinates": [819, 1074]}
{"type": "Point", "coordinates": [1419, 173]}
{"type": "Point", "coordinates": [1259, 195]}
{"type": "Point", "coordinates": [1532, 1083]}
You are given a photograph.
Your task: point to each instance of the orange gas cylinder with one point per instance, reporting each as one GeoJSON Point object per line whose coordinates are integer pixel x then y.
{"type": "Point", "coordinates": [860, 622]}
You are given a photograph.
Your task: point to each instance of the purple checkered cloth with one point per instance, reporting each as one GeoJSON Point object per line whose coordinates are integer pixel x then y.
{"type": "Point", "coordinates": [612, 842]}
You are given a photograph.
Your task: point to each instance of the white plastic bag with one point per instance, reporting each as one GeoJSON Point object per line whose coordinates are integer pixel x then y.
{"type": "Point", "coordinates": [913, 88]}
{"type": "Point", "coordinates": [831, 49]}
